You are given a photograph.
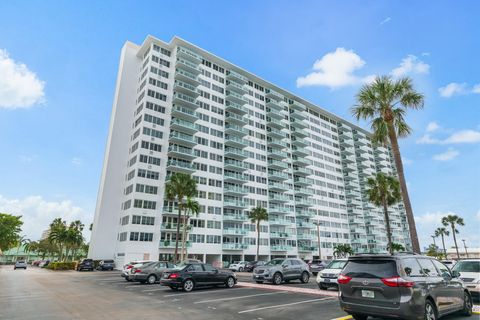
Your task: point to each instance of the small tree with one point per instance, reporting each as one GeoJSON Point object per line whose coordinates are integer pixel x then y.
{"type": "Point", "coordinates": [342, 250]}
{"type": "Point", "coordinates": [453, 220]}
{"type": "Point", "coordinates": [191, 207]}
{"type": "Point", "coordinates": [396, 247]}
{"type": "Point", "coordinates": [442, 232]}
{"type": "Point", "coordinates": [10, 228]}
{"type": "Point", "coordinates": [384, 191]}
{"type": "Point", "coordinates": [256, 216]}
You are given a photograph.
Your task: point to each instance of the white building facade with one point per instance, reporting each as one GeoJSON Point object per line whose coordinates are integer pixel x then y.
{"type": "Point", "coordinates": [247, 143]}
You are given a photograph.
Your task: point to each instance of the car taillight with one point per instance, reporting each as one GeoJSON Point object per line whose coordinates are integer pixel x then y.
{"type": "Point", "coordinates": [397, 282]}
{"type": "Point", "coordinates": [129, 267]}
{"type": "Point", "coordinates": [137, 271]}
{"type": "Point", "coordinates": [174, 275]}
{"type": "Point", "coordinates": [343, 279]}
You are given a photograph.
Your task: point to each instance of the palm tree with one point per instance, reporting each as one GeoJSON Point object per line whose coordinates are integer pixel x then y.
{"type": "Point", "coordinates": [342, 250]}
{"type": "Point", "coordinates": [384, 191]}
{"type": "Point", "coordinates": [191, 207]}
{"type": "Point", "coordinates": [58, 235]}
{"type": "Point", "coordinates": [20, 242]}
{"type": "Point", "coordinates": [452, 220]}
{"type": "Point", "coordinates": [31, 246]}
{"type": "Point", "coordinates": [179, 187]}
{"type": "Point", "coordinates": [385, 101]}
{"type": "Point", "coordinates": [396, 247]}
{"type": "Point", "coordinates": [442, 232]}
{"type": "Point", "coordinates": [256, 216]}
{"type": "Point", "coordinates": [74, 237]}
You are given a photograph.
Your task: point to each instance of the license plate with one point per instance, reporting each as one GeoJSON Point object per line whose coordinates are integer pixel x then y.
{"type": "Point", "coordinates": [368, 294]}
{"type": "Point", "coordinates": [326, 280]}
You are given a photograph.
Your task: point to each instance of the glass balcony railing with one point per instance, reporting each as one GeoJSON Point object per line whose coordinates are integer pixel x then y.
{"type": "Point", "coordinates": [234, 231]}
{"type": "Point", "coordinates": [234, 217]}
{"type": "Point", "coordinates": [234, 246]}
{"type": "Point", "coordinates": [189, 54]}
{"type": "Point", "coordinates": [235, 76]}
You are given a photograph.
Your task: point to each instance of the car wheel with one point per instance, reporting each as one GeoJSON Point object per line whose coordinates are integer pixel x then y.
{"type": "Point", "coordinates": [305, 277]}
{"type": "Point", "coordinates": [467, 305]}
{"type": "Point", "coordinates": [188, 285]}
{"type": "Point", "coordinates": [430, 313]}
{"type": "Point", "coordinates": [259, 282]}
{"type": "Point", "coordinates": [230, 282]}
{"type": "Point", "coordinates": [151, 279]}
{"type": "Point", "coordinates": [359, 317]}
{"type": "Point", "coordinates": [277, 278]}
{"type": "Point", "coordinates": [240, 269]}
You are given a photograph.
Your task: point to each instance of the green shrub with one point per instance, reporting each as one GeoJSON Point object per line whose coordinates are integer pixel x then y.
{"type": "Point", "coordinates": [62, 265]}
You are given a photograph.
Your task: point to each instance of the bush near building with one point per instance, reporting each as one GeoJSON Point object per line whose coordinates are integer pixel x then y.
{"type": "Point", "coordinates": [62, 265]}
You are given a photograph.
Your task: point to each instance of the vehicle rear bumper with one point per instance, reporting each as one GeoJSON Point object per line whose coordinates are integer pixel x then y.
{"type": "Point", "coordinates": [170, 283]}
{"type": "Point", "coordinates": [404, 311]}
{"type": "Point", "coordinates": [138, 277]}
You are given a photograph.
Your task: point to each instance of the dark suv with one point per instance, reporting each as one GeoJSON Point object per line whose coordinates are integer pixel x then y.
{"type": "Point", "coordinates": [405, 286]}
{"type": "Point", "coordinates": [85, 264]}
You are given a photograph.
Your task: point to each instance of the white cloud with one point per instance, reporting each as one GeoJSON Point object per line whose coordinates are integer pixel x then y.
{"type": "Point", "coordinates": [37, 213]}
{"type": "Point", "coordinates": [432, 126]}
{"type": "Point", "coordinates": [19, 87]}
{"type": "Point", "coordinates": [476, 88]}
{"type": "Point", "coordinates": [27, 158]}
{"type": "Point", "coordinates": [425, 54]}
{"type": "Point", "coordinates": [387, 19]}
{"type": "Point", "coordinates": [427, 139]}
{"type": "Point", "coordinates": [430, 218]}
{"type": "Point", "coordinates": [406, 161]}
{"type": "Point", "coordinates": [448, 155]}
{"type": "Point", "coordinates": [410, 65]}
{"type": "Point", "coordinates": [478, 215]}
{"type": "Point", "coordinates": [462, 136]}
{"type": "Point", "coordinates": [335, 69]}
{"type": "Point", "coordinates": [77, 162]}
{"type": "Point", "coordinates": [452, 89]}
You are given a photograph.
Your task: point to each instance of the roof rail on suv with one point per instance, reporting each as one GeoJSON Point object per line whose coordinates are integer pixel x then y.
{"type": "Point", "coordinates": [405, 252]}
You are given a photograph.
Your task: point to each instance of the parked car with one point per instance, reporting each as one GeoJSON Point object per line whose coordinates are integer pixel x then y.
{"type": "Point", "coordinates": [449, 263]}
{"type": "Point", "coordinates": [317, 265]}
{"type": "Point", "coordinates": [20, 264]}
{"type": "Point", "coordinates": [470, 274]}
{"type": "Point", "coordinates": [405, 286]}
{"type": "Point", "coordinates": [85, 264]}
{"type": "Point", "coordinates": [43, 263]}
{"type": "Point", "coordinates": [150, 272]}
{"type": "Point", "coordinates": [279, 270]}
{"type": "Point", "coordinates": [238, 266]}
{"type": "Point", "coordinates": [253, 264]}
{"type": "Point", "coordinates": [106, 265]}
{"type": "Point", "coordinates": [190, 276]}
{"type": "Point", "coordinates": [129, 266]}
{"type": "Point", "coordinates": [328, 277]}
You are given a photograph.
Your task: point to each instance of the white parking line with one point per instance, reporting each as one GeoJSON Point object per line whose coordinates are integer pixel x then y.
{"type": "Point", "coordinates": [151, 290]}
{"type": "Point", "coordinates": [284, 305]}
{"type": "Point", "coordinates": [241, 297]}
{"type": "Point", "coordinates": [201, 292]}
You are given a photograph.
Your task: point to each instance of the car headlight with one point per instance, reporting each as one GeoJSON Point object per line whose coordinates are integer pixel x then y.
{"type": "Point", "coordinates": [478, 281]}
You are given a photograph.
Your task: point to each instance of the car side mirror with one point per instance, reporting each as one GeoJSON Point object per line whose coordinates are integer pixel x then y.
{"type": "Point", "coordinates": [284, 265]}
{"type": "Point", "coordinates": [455, 274]}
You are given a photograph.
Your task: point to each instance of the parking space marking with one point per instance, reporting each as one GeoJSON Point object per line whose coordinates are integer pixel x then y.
{"type": "Point", "coordinates": [343, 318]}
{"type": "Point", "coordinates": [240, 297]}
{"type": "Point", "coordinates": [200, 292]}
{"type": "Point", "coordinates": [152, 290]}
{"type": "Point", "coordinates": [285, 305]}
{"type": "Point", "coordinates": [316, 292]}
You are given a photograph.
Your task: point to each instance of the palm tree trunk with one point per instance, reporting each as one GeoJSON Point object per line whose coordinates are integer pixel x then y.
{"type": "Point", "coordinates": [175, 256]}
{"type": "Point", "coordinates": [184, 235]}
{"type": "Point", "coordinates": [444, 249]}
{"type": "Point", "coordinates": [403, 186]}
{"type": "Point", "coordinates": [389, 231]}
{"type": "Point", "coordinates": [258, 238]}
{"type": "Point", "coordinates": [455, 240]}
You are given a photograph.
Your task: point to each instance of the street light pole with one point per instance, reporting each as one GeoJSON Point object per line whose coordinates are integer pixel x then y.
{"type": "Point", "coordinates": [465, 246]}
{"type": "Point", "coordinates": [317, 223]}
{"type": "Point", "coordinates": [434, 243]}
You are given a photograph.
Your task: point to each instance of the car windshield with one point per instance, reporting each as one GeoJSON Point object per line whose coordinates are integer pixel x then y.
{"type": "Point", "coordinates": [274, 262]}
{"type": "Point", "coordinates": [337, 264]}
{"type": "Point", "coordinates": [467, 266]}
{"type": "Point", "coordinates": [371, 269]}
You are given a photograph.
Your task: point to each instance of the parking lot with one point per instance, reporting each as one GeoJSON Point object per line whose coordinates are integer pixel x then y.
{"type": "Point", "coordinates": [42, 294]}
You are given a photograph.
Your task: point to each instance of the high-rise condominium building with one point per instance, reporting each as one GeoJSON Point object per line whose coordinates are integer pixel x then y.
{"type": "Point", "coordinates": [247, 143]}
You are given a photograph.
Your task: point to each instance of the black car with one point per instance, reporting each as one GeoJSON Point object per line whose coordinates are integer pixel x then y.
{"type": "Point", "coordinates": [85, 264]}
{"type": "Point", "coordinates": [252, 265]}
{"type": "Point", "coordinates": [106, 265]}
{"type": "Point", "coordinates": [191, 275]}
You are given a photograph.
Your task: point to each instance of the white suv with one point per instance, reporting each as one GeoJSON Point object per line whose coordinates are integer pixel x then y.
{"type": "Point", "coordinates": [470, 274]}
{"type": "Point", "coordinates": [328, 276]}
{"type": "Point", "coordinates": [238, 266]}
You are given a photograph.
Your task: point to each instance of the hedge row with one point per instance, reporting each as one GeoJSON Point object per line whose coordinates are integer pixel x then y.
{"type": "Point", "coordinates": [62, 265]}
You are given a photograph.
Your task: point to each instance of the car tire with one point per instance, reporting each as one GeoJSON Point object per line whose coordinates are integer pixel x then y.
{"type": "Point", "coordinates": [430, 311]}
{"type": "Point", "coordinates": [305, 277]}
{"type": "Point", "coordinates": [467, 305]}
{"type": "Point", "coordinates": [277, 278]}
{"type": "Point", "coordinates": [230, 283]}
{"type": "Point", "coordinates": [240, 269]}
{"type": "Point", "coordinates": [259, 282]}
{"type": "Point", "coordinates": [188, 285]}
{"type": "Point", "coordinates": [151, 279]}
{"type": "Point", "coordinates": [359, 317]}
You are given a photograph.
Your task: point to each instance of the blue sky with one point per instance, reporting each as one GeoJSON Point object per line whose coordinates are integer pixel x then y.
{"type": "Point", "coordinates": [59, 61]}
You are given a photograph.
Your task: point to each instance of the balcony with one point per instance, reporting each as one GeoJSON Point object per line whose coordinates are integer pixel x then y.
{"type": "Point", "coordinates": [272, 197]}
{"type": "Point", "coordinates": [235, 204]}
{"type": "Point", "coordinates": [189, 54]}
{"type": "Point", "coordinates": [234, 232]}
{"type": "Point", "coordinates": [299, 132]}
{"type": "Point", "coordinates": [233, 190]}
{"type": "Point", "coordinates": [187, 77]}
{"type": "Point", "coordinates": [186, 88]}
{"type": "Point", "coordinates": [280, 248]}
{"type": "Point", "coordinates": [298, 123]}
{"type": "Point", "coordinates": [237, 77]}
{"type": "Point", "coordinates": [184, 113]}
{"type": "Point", "coordinates": [235, 118]}
{"type": "Point", "coordinates": [305, 236]}
{"type": "Point", "coordinates": [171, 244]}
{"type": "Point", "coordinates": [236, 165]}
{"type": "Point", "coordinates": [347, 151]}
{"type": "Point", "coordinates": [182, 139]}
{"type": "Point", "coordinates": [305, 225]}
{"type": "Point", "coordinates": [300, 181]}
{"type": "Point", "coordinates": [180, 166]}
{"type": "Point", "coordinates": [307, 249]}
{"type": "Point", "coordinates": [274, 105]}
{"type": "Point", "coordinates": [276, 143]}
{"type": "Point", "coordinates": [275, 209]}
{"type": "Point", "coordinates": [188, 66]}
{"type": "Point", "coordinates": [275, 133]}
{"type": "Point", "coordinates": [298, 115]}
{"type": "Point", "coordinates": [234, 129]}
{"type": "Point", "coordinates": [273, 113]}
{"type": "Point", "coordinates": [346, 143]}
{"type": "Point", "coordinates": [348, 159]}
{"type": "Point", "coordinates": [279, 222]}
{"type": "Point", "coordinates": [361, 141]}
{"type": "Point", "coordinates": [235, 153]}
{"type": "Point", "coordinates": [304, 213]}
{"type": "Point", "coordinates": [277, 175]}
{"type": "Point", "coordinates": [300, 161]}
{"type": "Point", "coordinates": [301, 171]}
{"type": "Point", "coordinates": [277, 164]}
{"type": "Point", "coordinates": [235, 217]}
{"type": "Point", "coordinates": [183, 126]}
{"type": "Point", "coordinates": [276, 154]}
{"type": "Point", "coordinates": [236, 97]}
{"type": "Point", "coordinates": [169, 227]}
{"type": "Point", "coordinates": [272, 94]}
{"type": "Point", "coordinates": [185, 100]}
{"type": "Point", "coordinates": [301, 152]}
{"type": "Point", "coordinates": [234, 141]}
{"type": "Point", "coordinates": [303, 191]}
{"type": "Point", "coordinates": [275, 123]}
{"type": "Point", "coordinates": [280, 234]}
{"type": "Point", "coordinates": [277, 186]}
{"type": "Point", "coordinates": [234, 177]}
{"type": "Point", "coordinates": [303, 202]}
{"type": "Point", "coordinates": [237, 87]}
{"type": "Point", "coordinates": [298, 106]}
{"type": "Point", "coordinates": [234, 246]}
{"type": "Point", "coordinates": [181, 152]}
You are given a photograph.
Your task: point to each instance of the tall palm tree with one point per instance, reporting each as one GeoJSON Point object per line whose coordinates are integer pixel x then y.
{"type": "Point", "coordinates": [442, 232]}
{"type": "Point", "coordinates": [385, 102]}
{"type": "Point", "coordinates": [179, 187]}
{"type": "Point", "coordinates": [74, 237]}
{"type": "Point", "coordinates": [452, 220]}
{"type": "Point", "coordinates": [256, 216]}
{"type": "Point", "coordinates": [31, 246]}
{"type": "Point", "coordinates": [384, 191]}
{"type": "Point", "coordinates": [191, 207]}
{"type": "Point", "coordinates": [58, 235]}
{"type": "Point", "coordinates": [342, 250]}
{"type": "Point", "coordinates": [20, 242]}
